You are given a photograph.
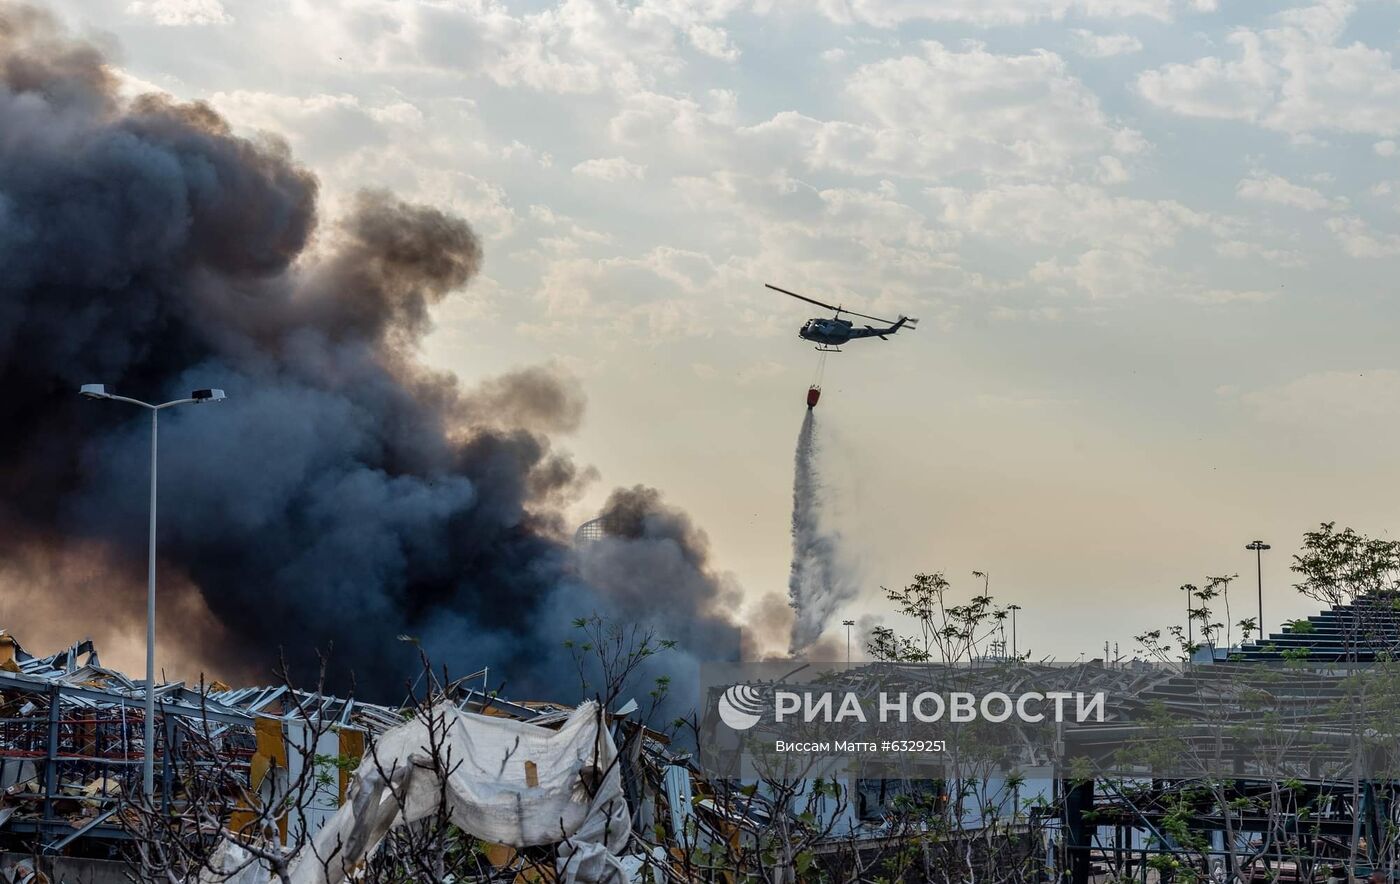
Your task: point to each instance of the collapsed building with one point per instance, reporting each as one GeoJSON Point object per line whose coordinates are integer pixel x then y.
{"type": "Point", "coordinates": [71, 752]}
{"type": "Point", "coordinates": [72, 748]}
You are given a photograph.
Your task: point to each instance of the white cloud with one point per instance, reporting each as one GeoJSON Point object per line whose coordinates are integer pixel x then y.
{"type": "Point", "coordinates": [1111, 170]}
{"type": "Point", "coordinates": [610, 169]}
{"type": "Point", "coordinates": [320, 126]}
{"type": "Point", "coordinates": [823, 240]}
{"type": "Point", "coordinates": [1061, 215]}
{"type": "Point", "coordinates": [1360, 241]}
{"type": "Point", "coordinates": [1212, 87]}
{"type": "Point", "coordinates": [1092, 45]}
{"type": "Point", "coordinates": [1266, 188]}
{"type": "Point", "coordinates": [1101, 274]}
{"type": "Point", "coordinates": [571, 47]}
{"type": "Point", "coordinates": [689, 270]}
{"type": "Point", "coordinates": [1040, 164]}
{"type": "Point", "coordinates": [1294, 76]}
{"type": "Point", "coordinates": [943, 111]}
{"type": "Point", "coordinates": [984, 13]}
{"type": "Point", "coordinates": [713, 42]}
{"type": "Point", "coordinates": [1082, 240]}
{"type": "Point", "coordinates": [933, 114]}
{"type": "Point", "coordinates": [517, 150]}
{"type": "Point", "coordinates": [678, 126]}
{"type": "Point", "coordinates": [1324, 400]}
{"type": "Point", "coordinates": [650, 297]}
{"type": "Point", "coordinates": [831, 235]}
{"type": "Point", "coordinates": [1235, 248]}
{"type": "Point", "coordinates": [559, 234]}
{"type": "Point", "coordinates": [1229, 296]}
{"type": "Point", "coordinates": [174, 13]}
{"type": "Point", "coordinates": [1384, 148]}
{"type": "Point", "coordinates": [1388, 192]}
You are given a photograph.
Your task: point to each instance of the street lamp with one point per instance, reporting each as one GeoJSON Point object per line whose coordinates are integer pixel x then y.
{"type": "Point", "coordinates": [1259, 546]}
{"type": "Point", "coordinates": [848, 624]}
{"type": "Point", "coordinates": [1013, 609]}
{"type": "Point", "coordinates": [98, 391]}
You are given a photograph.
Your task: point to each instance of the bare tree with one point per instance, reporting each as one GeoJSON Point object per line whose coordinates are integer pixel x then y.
{"type": "Point", "coordinates": [221, 800]}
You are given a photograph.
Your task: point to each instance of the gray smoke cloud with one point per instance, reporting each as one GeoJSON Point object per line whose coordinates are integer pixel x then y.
{"type": "Point", "coordinates": [820, 581]}
{"type": "Point", "coordinates": [653, 558]}
{"type": "Point", "coordinates": [345, 493]}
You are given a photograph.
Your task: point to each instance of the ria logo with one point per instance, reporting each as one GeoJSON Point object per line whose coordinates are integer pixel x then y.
{"type": "Point", "coordinates": [740, 706]}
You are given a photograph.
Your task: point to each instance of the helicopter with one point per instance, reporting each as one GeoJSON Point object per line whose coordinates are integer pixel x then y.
{"type": "Point", "coordinates": [830, 334]}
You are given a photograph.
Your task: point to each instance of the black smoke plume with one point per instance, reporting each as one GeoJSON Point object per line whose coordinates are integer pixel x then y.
{"type": "Point", "coordinates": [344, 494]}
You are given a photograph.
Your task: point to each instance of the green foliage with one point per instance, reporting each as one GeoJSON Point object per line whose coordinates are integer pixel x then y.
{"type": "Point", "coordinates": [329, 767]}
{"type": "Point", "coordinates": [608, 655]}
{"type": "Point", "coordinates": [946, 632]}
{"type": "Point", "coordinates": [1338, 566]}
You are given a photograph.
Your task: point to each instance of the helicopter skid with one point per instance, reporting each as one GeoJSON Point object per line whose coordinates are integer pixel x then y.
{"type": "Point", "coordinates": [827, 349]}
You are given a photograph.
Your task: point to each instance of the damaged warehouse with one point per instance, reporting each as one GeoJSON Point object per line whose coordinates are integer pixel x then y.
{"type": "Point", "coordinates": [268, 783]}
{"type": "Point", "coordinates": [268, 765]}
{"type": "Point", "coordinates": [71, 745]}
{"type": "Point", "coordinates": [256, 783]}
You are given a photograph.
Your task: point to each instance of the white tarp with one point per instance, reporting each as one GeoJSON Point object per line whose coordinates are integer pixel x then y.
{"type": "Point", "coordinates": [509, 782]}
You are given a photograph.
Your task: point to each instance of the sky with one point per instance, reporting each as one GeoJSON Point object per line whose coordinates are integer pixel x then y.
{"type": "Point", "coordinates": [1152, 245]}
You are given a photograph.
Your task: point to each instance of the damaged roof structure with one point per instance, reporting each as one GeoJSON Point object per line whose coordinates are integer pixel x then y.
{"type": "Point", "coordinates": [71, 739]}
{"type": "Point", "coordinates": [71, 744]}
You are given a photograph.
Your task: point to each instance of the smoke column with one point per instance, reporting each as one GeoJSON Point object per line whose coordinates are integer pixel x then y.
{"type": "Point", "coordinates": [345, 493]}
{"type": "Point", "coordinates": [819, 582]}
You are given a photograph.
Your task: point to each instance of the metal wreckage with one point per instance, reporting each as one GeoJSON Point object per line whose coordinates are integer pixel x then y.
{"type": "Point", "coordinates": [548, 792]}
{"type": "Point", "coordinates": [282, 784]}
{"type": "Point", "coordinates": [71, 751]}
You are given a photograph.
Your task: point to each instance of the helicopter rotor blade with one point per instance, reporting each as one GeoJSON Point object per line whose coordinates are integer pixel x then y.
{"type": "Point", "coordinates": [803, 298]}
{"type": "Point", "coordinates": [864, 316]}
{"type": "Point", "coordinates": [839, 310]}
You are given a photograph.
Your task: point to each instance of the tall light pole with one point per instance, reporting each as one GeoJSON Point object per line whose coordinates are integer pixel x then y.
{"type": "Point", "coordinates": [1013, 609]}
{"type": "Point", "coordinates": [1259, 546]}
{"type": "Point", "coordinates": [848, 624]}
{"type": "Point", "coordinates": [98, 391]}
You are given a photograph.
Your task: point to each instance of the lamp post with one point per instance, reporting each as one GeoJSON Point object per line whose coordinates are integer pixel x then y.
{"type": "Point", "coordinates": [848, 624]}
{"type": "Point", "coordinates": [1013, 609]}
{"type": "Point", "coordinates": [98, 391]}
{"type": "Point", "coordinates": [1259, 546]}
